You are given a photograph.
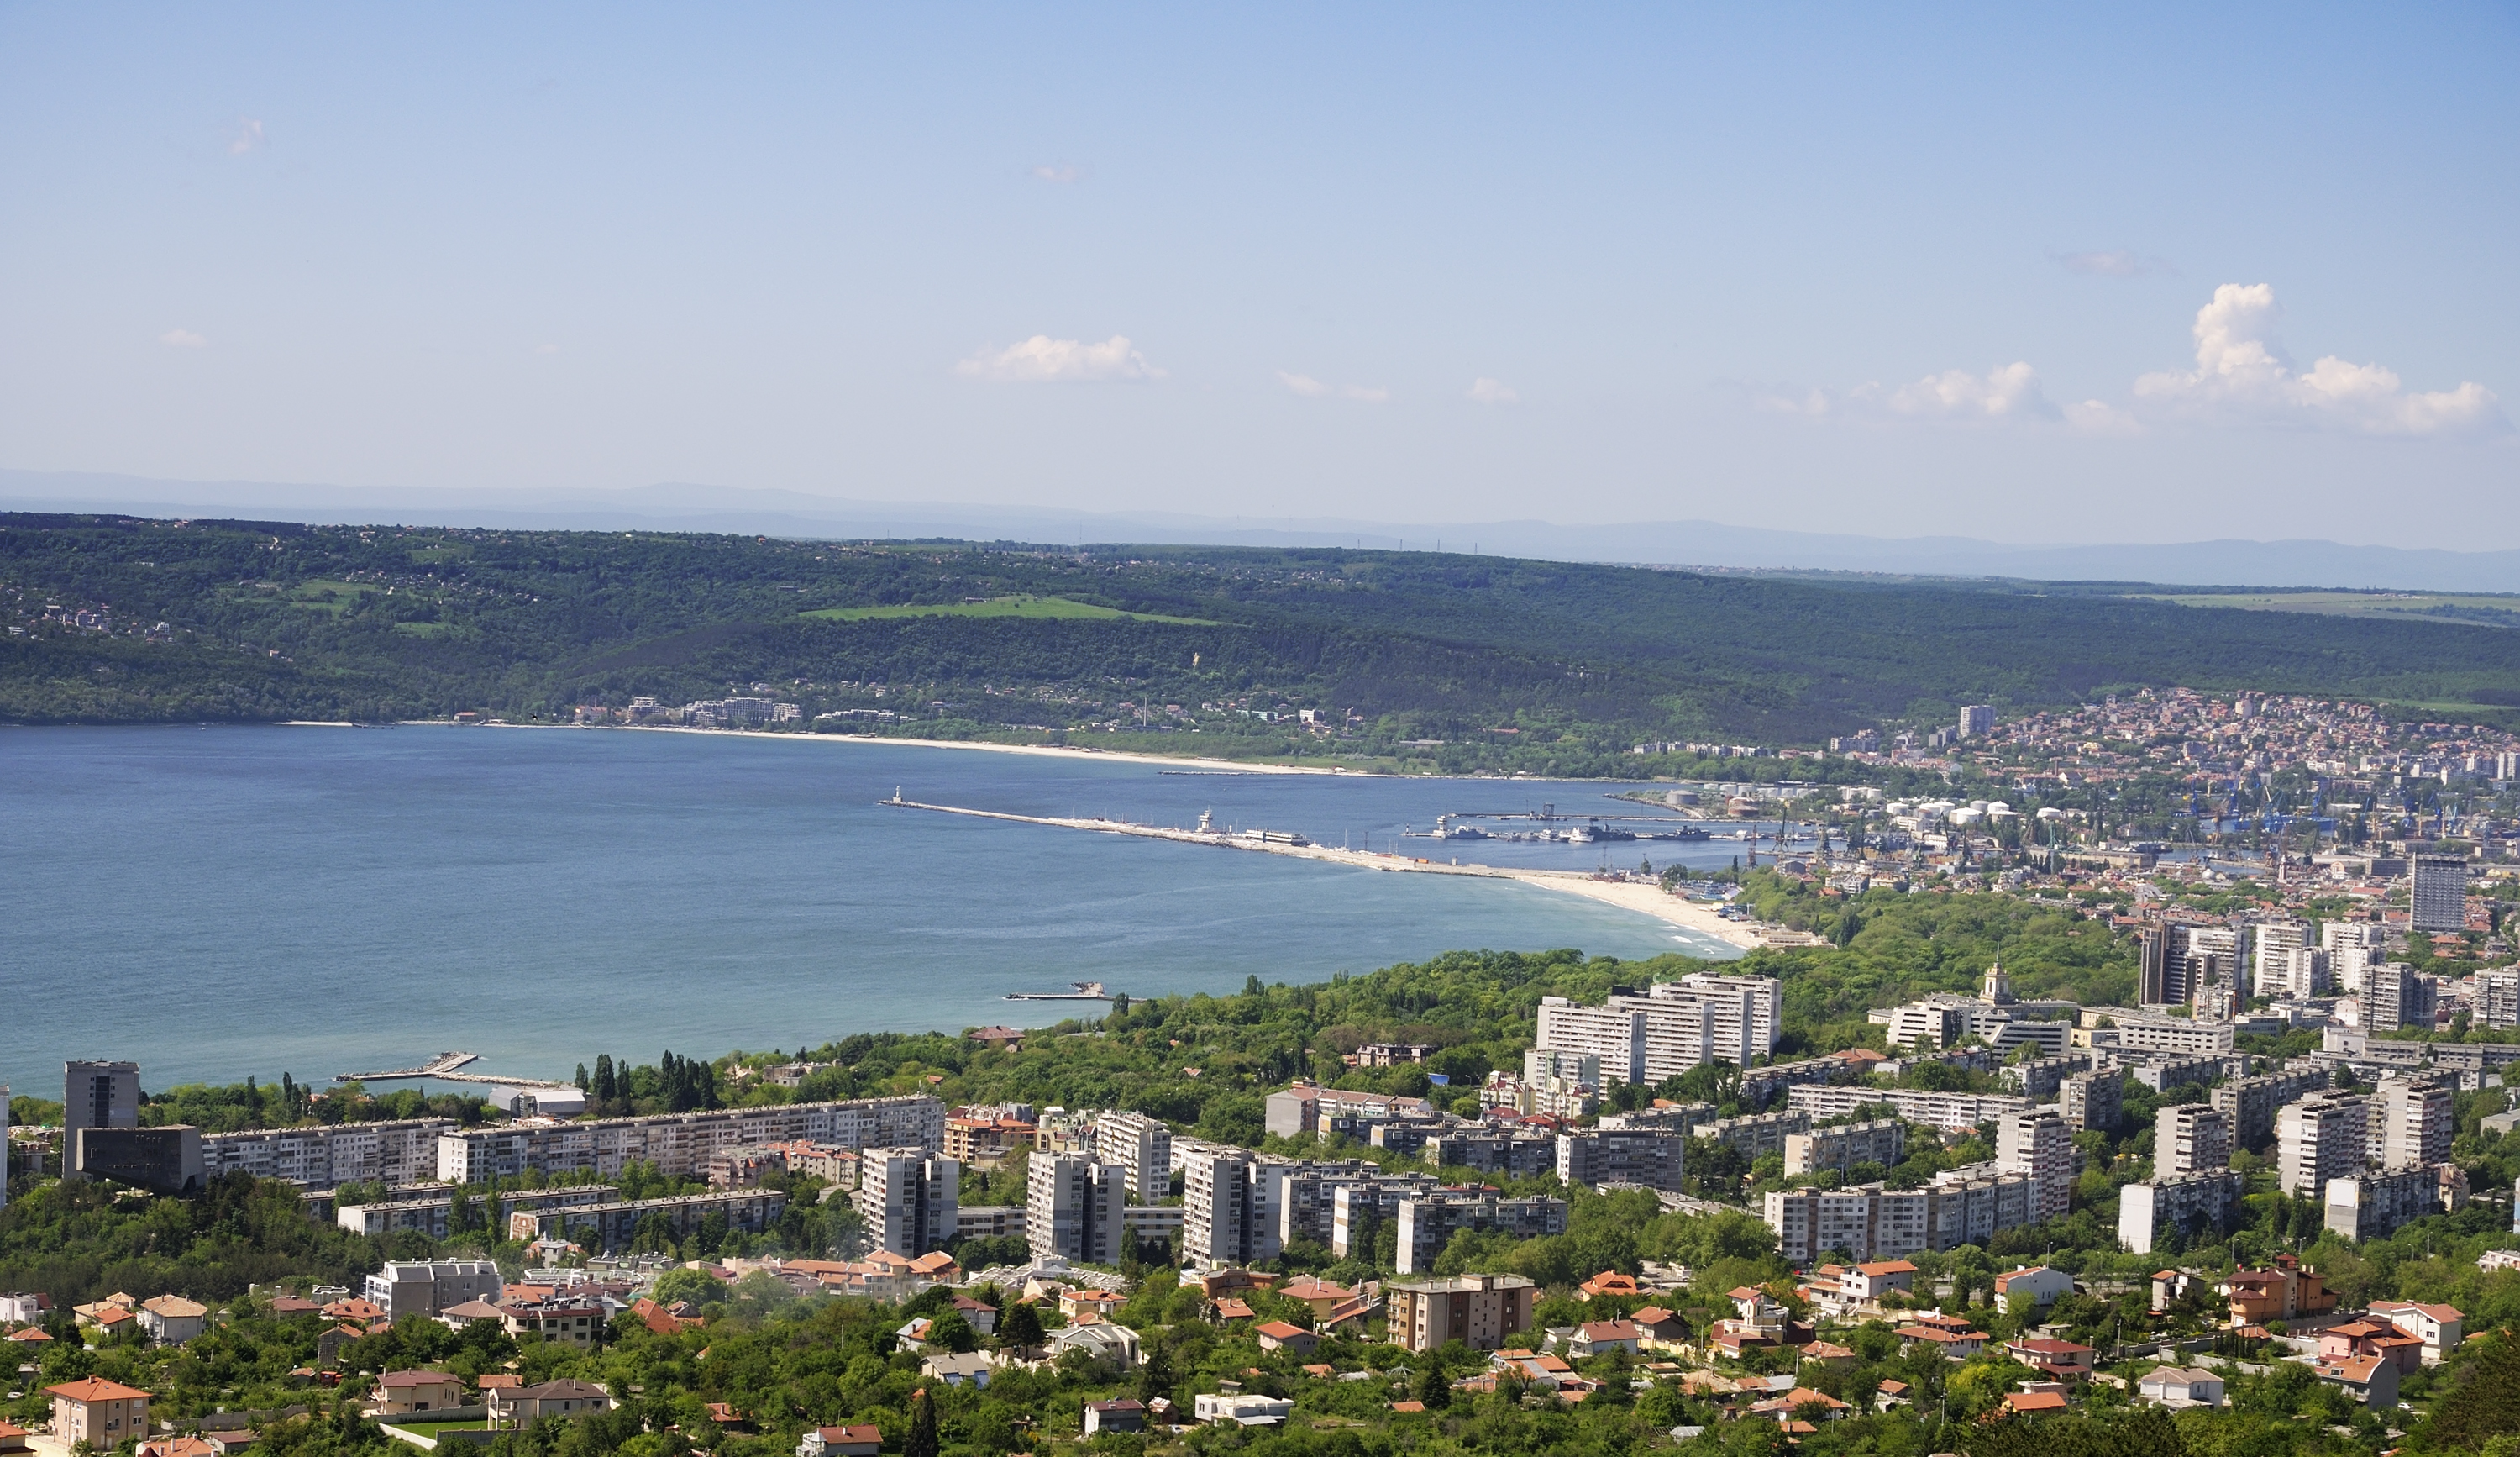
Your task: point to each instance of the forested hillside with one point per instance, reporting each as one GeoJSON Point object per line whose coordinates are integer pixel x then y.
{"type": "Point", "coordinates": [1509, 662]}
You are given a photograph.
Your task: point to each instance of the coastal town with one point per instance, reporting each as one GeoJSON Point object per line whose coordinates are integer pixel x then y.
{"type": "Point", "coordinates": [1834, 1236]}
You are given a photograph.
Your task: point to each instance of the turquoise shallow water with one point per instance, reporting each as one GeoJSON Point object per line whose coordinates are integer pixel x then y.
{"type": "Point", "coordinates": [224, 901]}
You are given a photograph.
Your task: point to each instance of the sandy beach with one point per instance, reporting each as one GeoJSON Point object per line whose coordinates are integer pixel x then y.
{"type": "Point", "coordinates": [1629, 895]}
{"type": "Point", "coordinates": [1645, 899]}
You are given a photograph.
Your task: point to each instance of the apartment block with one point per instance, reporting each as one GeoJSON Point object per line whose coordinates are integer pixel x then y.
{"type": "Point", "coordinates": [2161, 1075]}
{"type": "Point", "coordinates": [1427, 1223]}
{"type": "Point", "coordinates": [2373, 1203]}
{"type": "Point", "coordinates": [1514, 1155]}
{"type": "Point", "coordinates": [2498, 998]}
{"type": "Point", "coordinates": [1761, 1085]}
{"type": "Point", "coordinates": [2321, 1137]}
{"type": "Point", "coordinates": [431, 1287]}
{"type": "Point", "coordinates": [1622, 1156]}
{"type": "Point", "coordinates": [2190, 1138]}
{"type": "Point", "coordinates": [1478, 1310]}
{"type": "Point", "coordinates": [2040, 1078]}
{"type": "Point", "coordinates": [1970, 1209]}
{"type": "Point", "coordinates": [1755, 1133]}
{"type": "Point", "coordinates": [2192, 1203]}
{"type": "Point", "coordinates": [2415, 1119]}
{"type": "Point", "coordinates": [1308, 1198]}
{"type": "Point", "coordinates": [1308, 1107]}
{"type": "Point", "coordinates": [2175, 1034]}
{"type": "Point", "coordinates": [1882, 1141]}
{"type": "Point", "coordinates": [403, 1151]}
{"type": "Point", "coordinates": [2438, 899]}
{"type": "Point", "coordinates": [96, 1095]}
{"type": "Point", "coordinates": [1668, 1029]}
{"type": "Point", "coordinates": [1142, 1147]}
{"type": "Point", "coordinates": [614, 1224]}
{"type": "Point", "coordinates": [682, 1143]}
{"type": "Point", "coordinates": [1953, 1112]}
{"type": "Point", "coordinates": [2250, 1104]}
{"type": "Point", "coordinates": [433, 1214]}
{"type": "Point", "coordinates": [2092, 1100]}
{"type": "Point", "coordinates": [908, 1198]}
{"type": "Point", "coordinates": [1229, 1207]}
{"type": "Point", "coordinates": [2396, 996]}
{"type": "Point", "coordinates": [1870, 1222]}
{"type": "Point", "coordinates": [1072, 1209]}
{"type": "Point", "coordinates": [2039, 1145]}
{"type": "Point", "coordinates": [1359, 1211]}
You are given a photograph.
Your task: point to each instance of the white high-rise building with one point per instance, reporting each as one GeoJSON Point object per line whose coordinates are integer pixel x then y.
{"type": "Point", "coordinates": [2498, 998]}
{"type": "Point", "coordinates": [2320, 1138]}
{"type": "Point", "coordinates": [1072, 1209]}
{"type": "Point", "coordinates": [909, 1198]}
{"type": "Point", "coordinates": [2288, 965]}
{"type": "Point", "coordinates": [2189, 1138]}
{"type": "Point", "coordinates": [2413, 1120]}
{"type": "Point", "coordinates": [1230, 1213]}
{"type": "Point", "coordinates": [1141, 1145]}
{"type": "Point", "coordinates": [2036, 1143]}
{"type": "Point", "coordinates": [1673, 1028]}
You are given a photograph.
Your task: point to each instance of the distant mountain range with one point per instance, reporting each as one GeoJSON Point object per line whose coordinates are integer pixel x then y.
{"type": "Point", "coordinates": [1683, 543]}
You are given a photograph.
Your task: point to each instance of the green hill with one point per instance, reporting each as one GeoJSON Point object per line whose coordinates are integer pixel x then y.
{"type": "Point", "coordinates": [1509, 662]}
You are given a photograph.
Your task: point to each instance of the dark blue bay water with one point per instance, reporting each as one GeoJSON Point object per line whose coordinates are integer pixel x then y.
{"type": "Point", "coordinates": [217, 902]}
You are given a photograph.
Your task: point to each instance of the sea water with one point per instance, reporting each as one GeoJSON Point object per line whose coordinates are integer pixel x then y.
{"type": "Point", "coordinates": [224, 901]}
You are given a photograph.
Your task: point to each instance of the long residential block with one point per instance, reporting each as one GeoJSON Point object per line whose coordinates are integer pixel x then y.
{"type": "Point", "coordinates": [610, 1226]}
{"type": "Point", "coordinates": [1756, 1133]}
{"type": "Point", "coordinates": [403, 1151]}
{"type": "Point", "coordinates": [1622, 1156]}
{"type": "Point", "coordinates": [681, 1143]}
{"type": "Point", "coordinates": [1429, 1223]}
{"type": "Point", "coordinates": [1949, 1112]}
{"type": "Point", "coordinates": [1882, 1141]}
{"type": "Point", "coordinates": [2196, 1203]}
{"type": "Point", "coordinates": [1871, 1222]}
{"type": "Point", "coordinates": [2250, 1104]}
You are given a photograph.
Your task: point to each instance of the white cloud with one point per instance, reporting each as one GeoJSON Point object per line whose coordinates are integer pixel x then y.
{"type": "Point", "coordinates": [2113, 264]}
{"type": "Point", "coordinates": [1311, 389]}
{"type": "Point", "coordinates": [2009, 391]}
{"type": "Point", "coordinates": [1489, 391]}
{"type": "Point", "coordinates": [546, 348]}
{"type": "Point", "coordinates": [1041, 359]}
{"type": "Point", "coordinates": [248, 136]}
{"type": "Point", "coordinates": [182, 339]}
{"type": "Point", "coordinates": [1058, 172]}
{"type": "Point", "coordinates": [2242, 374]}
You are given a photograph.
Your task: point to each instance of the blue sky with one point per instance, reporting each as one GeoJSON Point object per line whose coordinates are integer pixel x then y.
{"type": "Point", "coordinates": [1824, 268]}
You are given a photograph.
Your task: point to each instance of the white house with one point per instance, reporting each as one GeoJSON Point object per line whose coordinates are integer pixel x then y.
{"type": "Point", "coordinates": [2438, 1326]}
{"type": "Point", "coordinates": [2030, 1286]}
{"type": "Point", "coordinates": [1241, 1408]}
{"type": "Point", "coordinates": [1106, 1341]}
{"type": "Point", "coordinates": [2176, 1386]}
{"type": "Point", "coordinates": [172, 1320]}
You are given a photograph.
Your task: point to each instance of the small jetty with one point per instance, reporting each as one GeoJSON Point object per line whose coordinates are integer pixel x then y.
{"type": "Point", "coordinates": [441, 1068]}
{"type": "Point", "coordinates": [1078, 991]}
